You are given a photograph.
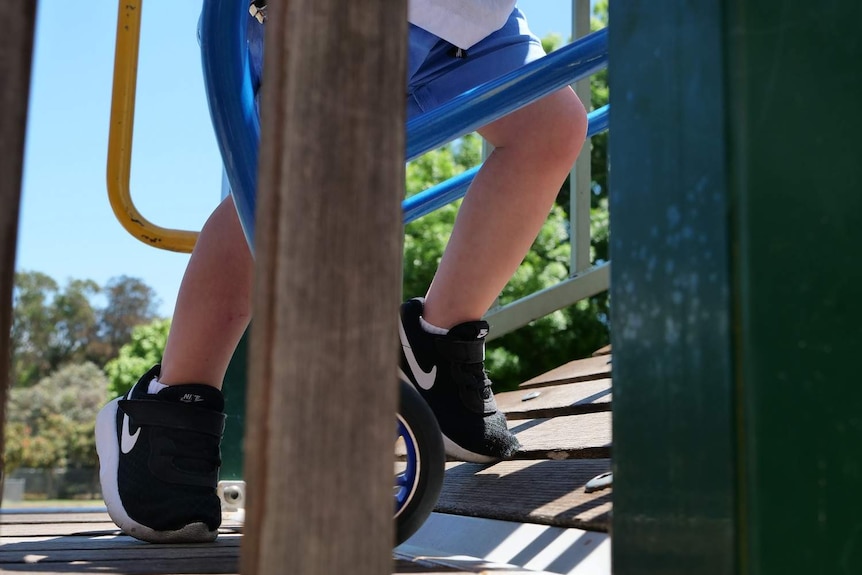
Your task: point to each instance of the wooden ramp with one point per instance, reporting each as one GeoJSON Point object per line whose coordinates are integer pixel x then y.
{"type": "Point", "coordinates": [561, 418]}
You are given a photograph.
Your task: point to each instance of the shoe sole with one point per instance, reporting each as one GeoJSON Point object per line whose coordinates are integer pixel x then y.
{"type": "Point", "coordinates": [454, 450]}
{"type": "Point", "coordinates": [108, 449]}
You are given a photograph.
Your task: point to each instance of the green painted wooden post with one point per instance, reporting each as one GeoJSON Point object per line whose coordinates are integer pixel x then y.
{"type": "Point", "coordinates": [674, 504]}
{"type": "Point", "coordinates": [232, 451]}
{"type": "Point", "coordinates": [736, 211]}
{"type": "Point", "coordinates": [795, 86]}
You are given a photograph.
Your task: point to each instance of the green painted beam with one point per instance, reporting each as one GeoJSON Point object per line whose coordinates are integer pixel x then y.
{"type": "Point", "coordinates": [674, 452]}
{"type": "Point", "coordinates": [736, 207]}
{"type": "Point", "coordinates": [795, 85]}
{"type": "Point", "coordinates": [232, 445]}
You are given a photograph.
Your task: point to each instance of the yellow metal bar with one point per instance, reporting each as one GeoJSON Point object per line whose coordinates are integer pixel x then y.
{"type": "Point", "coordinates": [120, 138]}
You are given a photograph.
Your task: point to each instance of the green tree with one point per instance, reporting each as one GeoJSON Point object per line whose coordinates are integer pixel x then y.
{"type": "Point", "coordinates": [426, 238]}
{"type": "Point", "coordinates": [31, 326]}
{"type": "Point", "coordinates": [144, 350]}
{"type": "Point", "coordinates": [74, 322]}
{"type": "Point", "coordinates": [50, 326]}
{"type": "Point", "coordinates": [130, 303]}
{"type": "Point", "coordinates": [51, 423]}
{"type": "Point", "coordinates": [54, 326]}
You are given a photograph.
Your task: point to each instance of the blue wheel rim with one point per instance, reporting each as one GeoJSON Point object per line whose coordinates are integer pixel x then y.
{"type": "Point", "coordinates": [407, 480]}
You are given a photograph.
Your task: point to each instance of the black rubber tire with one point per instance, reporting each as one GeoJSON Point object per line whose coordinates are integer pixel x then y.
{"type": "Point", "coordinates": [422, 425]}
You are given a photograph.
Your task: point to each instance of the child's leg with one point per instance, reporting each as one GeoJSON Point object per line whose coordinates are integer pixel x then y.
{"type": "Point", "coordinates": [442, 335]}
{"type": "Point", "coordinates": [159, 446]}
{"type": "Point", "coordinates": [498, 221]}
{"type": "Point", "coordinates": [506, 206]}
{"type": "Point", "coordinates": [213, 307]}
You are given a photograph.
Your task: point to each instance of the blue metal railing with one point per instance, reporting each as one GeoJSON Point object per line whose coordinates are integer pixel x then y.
{"type": "Point", "coordinates": [231, 101]}
{"type": "Point", "coordinates": [230, 95]}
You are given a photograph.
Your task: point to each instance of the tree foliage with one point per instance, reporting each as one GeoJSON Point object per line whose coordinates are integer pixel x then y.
{"type": "Point", "coordinates": [130, 303]}
{"type": "Point", "coordinates": [145, 349]}
{"type": "Point", "coordinates": [51, 423]}
{"type": "Point", "coordinates": [60, 337]}
{"type": "Point", "coordinates": [54, 326]}
{"type": "Point", "coordinates": [31, 321]}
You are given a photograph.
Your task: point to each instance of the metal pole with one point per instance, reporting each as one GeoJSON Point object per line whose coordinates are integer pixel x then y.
{"type": "Point", "coordinates": [580, 176]}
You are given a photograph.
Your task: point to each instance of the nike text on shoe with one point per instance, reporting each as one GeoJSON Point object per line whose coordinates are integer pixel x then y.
{"type": "Point", "coordinates": [159, 459]}
{"type": "Point", "coordinates": [448, 370]}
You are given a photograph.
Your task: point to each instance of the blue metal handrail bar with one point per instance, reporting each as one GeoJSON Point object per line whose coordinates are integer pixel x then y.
{"type": "Point", "coordinates": [230, 95]}
{"type": "Point", "coordinates": [231, 98]}
{"type": "Point", "coordinates": [435, 197]}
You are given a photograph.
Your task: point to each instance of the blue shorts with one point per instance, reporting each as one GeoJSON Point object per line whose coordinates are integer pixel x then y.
{"type": "Point", "coordinates": [436, 72]}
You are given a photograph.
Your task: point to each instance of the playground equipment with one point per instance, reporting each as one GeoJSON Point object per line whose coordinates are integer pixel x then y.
{"type": "Point", "coordinates": [738, 424]}
{"type": "Point", "coordinates": [235, 119]}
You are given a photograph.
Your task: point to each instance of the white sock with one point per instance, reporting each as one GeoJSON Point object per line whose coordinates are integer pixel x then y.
{"type": "Point", "coordinates": [155, 386]}
{"type": "Point", "coordinates": [431, 328]}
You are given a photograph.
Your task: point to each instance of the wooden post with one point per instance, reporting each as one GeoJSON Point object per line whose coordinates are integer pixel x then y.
{"type": "Point", "coordinates": [323, 364]}
{"type": "Point", "coordinates": [16, 48]}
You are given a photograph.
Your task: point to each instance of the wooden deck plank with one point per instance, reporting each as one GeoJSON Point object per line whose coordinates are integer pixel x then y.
{"type": "Point", "coordinates": [121, 554]}
{"type": "Point", "coordinates": [15, 546]}
{"type": "Point", "coordinates": [584, 436]}
{"type": "Point", "coordinates": [8, 517]}
{"type": "Point", "coordinates": [575, 436]}
{"type": "Point", "coordinates": [404, 566]}
{"type": "Point", "coordinates": [193, 566]}
{"type": "Point", "coordinates": [546, 492]}
{"type": "Point", "coordinates": [556, 400]}
{"type": "Point", "coordinates": [606, 350]}
{"type": "Point", "coordinates": [155, 565]}
{"type": "Point", "coordinates": [54, 551]}
{"type": "Point", "coordinates": [123, 549]}
{"type": "Point", "coordinates": [587, 369]}
{"type": "Point", "coordinates": [109, 552]}
{"type": "Point", "coordinates": [57, 525]}
{"type": "Point", "coordinates": [58, 529]}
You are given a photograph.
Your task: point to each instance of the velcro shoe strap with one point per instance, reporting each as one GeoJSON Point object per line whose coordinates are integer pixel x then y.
{"type": "Point", "coordinates": [174, 416]}
{"type": "Point", "coordinates": [461, 351]}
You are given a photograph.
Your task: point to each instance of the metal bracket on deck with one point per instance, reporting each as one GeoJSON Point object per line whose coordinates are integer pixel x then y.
{"type": "Point", "coordinates": [599, 482]}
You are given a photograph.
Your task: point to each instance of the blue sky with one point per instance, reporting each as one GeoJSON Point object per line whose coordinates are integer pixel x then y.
{"type": "Point", "coordinates": [67, 229]}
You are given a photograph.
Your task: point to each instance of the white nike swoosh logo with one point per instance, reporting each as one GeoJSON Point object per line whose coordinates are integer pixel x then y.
{"type": "Point", "coordinates": [127, 440]}
{"type": "Point", "coordinates": [423, 379]}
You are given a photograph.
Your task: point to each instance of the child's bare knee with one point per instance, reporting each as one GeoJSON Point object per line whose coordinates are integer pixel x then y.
{"type": "Point", "coordinates": [565, 127]}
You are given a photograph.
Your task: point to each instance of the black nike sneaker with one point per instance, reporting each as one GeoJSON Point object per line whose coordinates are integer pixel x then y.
{"type": "Point", "coordinates": [159, 458]}
{"type": "Point", "coordinates": [449, 372]}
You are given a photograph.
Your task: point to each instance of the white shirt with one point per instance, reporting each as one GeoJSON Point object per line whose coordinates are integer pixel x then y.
{"type": "Point", "coordinates": [460, 22]}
